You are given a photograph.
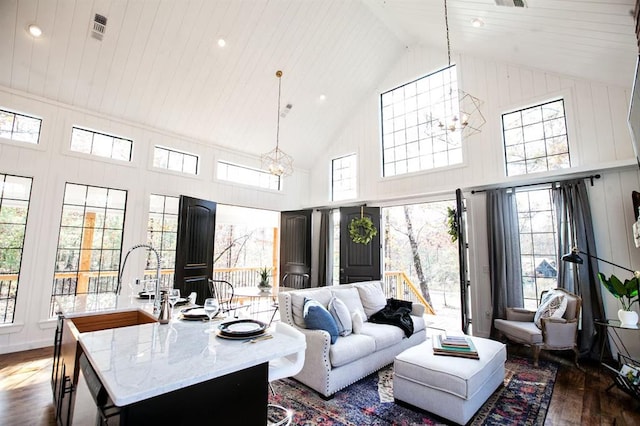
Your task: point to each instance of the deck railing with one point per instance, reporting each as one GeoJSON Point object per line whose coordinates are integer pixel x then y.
{"type": "Point", "coordinates": [396, 284]}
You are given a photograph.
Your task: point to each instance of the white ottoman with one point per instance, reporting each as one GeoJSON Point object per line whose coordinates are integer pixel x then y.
{"type": "Point", "coordinates": [450, 387]}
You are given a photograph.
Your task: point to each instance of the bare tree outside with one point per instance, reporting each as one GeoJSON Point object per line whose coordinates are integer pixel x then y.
{"type": "Point", "coordinates": [417, 243]}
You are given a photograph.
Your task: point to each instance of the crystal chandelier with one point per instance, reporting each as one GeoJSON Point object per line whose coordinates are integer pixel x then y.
{"type": "Point", "coordinates": [277, 161]}
{"type": "Point", "coordinates": [457, 111]}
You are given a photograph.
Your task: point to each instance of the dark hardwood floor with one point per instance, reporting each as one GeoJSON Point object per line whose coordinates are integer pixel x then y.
{"type": "Point", "coordinates": [579, 397]}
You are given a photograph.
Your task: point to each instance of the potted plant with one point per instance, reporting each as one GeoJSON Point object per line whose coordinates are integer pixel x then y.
{"type": "Point", "coordinates": [626, 292]}
{"type": "Point", "coordinates": [264, 273]}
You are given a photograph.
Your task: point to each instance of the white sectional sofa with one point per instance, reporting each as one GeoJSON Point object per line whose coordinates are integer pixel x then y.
{"type": "Point", "coordinates": [331, 367]}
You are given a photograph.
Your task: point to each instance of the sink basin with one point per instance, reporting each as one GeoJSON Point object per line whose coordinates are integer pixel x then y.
{"type": "Point", "coordinates": [95, 322]}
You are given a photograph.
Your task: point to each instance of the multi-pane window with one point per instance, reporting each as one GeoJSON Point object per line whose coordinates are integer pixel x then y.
{"type": "Point", "coordinates": [343, 178]}
{"type": "Point", "coordinates": [100, 144]}
{"type": "Point", "coordinates": [15, 193]}
{"type": "Point", "coordinates": [162, 234]}
{"type": "Point", "coordinates": [89, 242]}
{"type": "Point", "coordinates": [412, 139]}
{"type": "Point", "coordinates": [169, 159]}
{"type": "Point", "coordinates": [535, 139]}
{"type": "Point", "coordinates": [248, 176]}
{"type": "Point", "coordinates": [19, 127]}
{"type": "Point", "coordinates": [538, 250]}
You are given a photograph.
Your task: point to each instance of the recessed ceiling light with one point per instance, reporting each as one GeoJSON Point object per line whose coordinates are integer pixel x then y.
{"type": "Point", "coordinates": [323, 97]}
{"type": "Point", "coordinates": [222, 42]}
{"type": "Point", "coordinates": [477, 22]}
{"type": "Point", "coordinates": [35, 30]}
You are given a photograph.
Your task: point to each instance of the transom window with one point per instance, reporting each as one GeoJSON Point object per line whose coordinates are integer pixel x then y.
{"type": "Point", "coordinates": [162, 234]}
{"type": "Point", "coordinates": [19, 127]}
{"type": "Point", "coordinates": [535, 139]}
{"type": "Point", "coordinates": [89, 246]}
{"type": "Point", "coordinates": [411, 139]}
{"type": "Point", "coordinates": [248, 176]}
{"type": "Point", "coordinates": [343, 177]}
{"type": "Point", "coordinates": [176, 161]}
{"type": "Point", "coordinates": [15, 193]}
{"type": "Point", "coordinates": [538, 249]}
{"type": "Point", "coordinates": [100, 144]}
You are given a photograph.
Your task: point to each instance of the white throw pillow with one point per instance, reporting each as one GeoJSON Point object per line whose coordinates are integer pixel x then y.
{"type": "Point", "coordinates": [372, 297]}
{"type": "Point", "coordinates": [356, 322]}
{"type": "Point", "coordinates": [341, 314]}
{"type": "Point", "coordinates": [552, 306]}
{"type": "Point", "coordinates": [351, 298]}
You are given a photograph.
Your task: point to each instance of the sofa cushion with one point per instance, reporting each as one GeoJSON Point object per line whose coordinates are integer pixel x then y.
{"type": "Point", "coordinates": [553, 305]}
{"type": "Point", "coordinates": [371, 296]}
{"type": "Point", "coordinates": [341, 314]}
{"type": "Point", "coordinates": [317, 317]}
{"type": "Point", "coordinates": [384, 335]}
{"type": "Point", "coordinates": [297, 302]}
{"type": "Point", "coordinates": [351, 298]}
{"type": "Point", "coordinates": [356, 322]}
{"type": "Point", "coordinates": [351, 348]}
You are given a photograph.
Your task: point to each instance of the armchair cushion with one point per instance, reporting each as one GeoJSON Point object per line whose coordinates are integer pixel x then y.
{"type": "Point", "coordinates": [553, 305]}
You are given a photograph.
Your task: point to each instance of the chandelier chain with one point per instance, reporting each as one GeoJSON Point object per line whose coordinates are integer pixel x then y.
{"type": "Point", "coordinates": [446, 25]}
{"type": "Point", "coordinates": [279, 75]}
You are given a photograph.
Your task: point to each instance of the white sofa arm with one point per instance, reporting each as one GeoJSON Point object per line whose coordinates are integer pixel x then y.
{"type": "Point", "coordinates": [417, 309]}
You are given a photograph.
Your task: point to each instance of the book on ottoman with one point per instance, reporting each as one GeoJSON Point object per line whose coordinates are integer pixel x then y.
{"type": "Point", "coordinates": [459, 348]}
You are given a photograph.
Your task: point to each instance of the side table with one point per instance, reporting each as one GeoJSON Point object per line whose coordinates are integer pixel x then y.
{"type": "Point", "coordinates": [611, 328]}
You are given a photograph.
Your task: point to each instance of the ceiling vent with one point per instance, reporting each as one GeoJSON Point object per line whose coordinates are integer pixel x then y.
{"type": "Point", "coordinates": [511, 3]}
{"type": "Point", "coordinates": [98, 26]}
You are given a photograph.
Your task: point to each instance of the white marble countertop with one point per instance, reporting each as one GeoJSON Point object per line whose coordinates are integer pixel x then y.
{"type": "Point", "coordinates": [139, 362]}
{"type": "Point", "coordinates": [142, 361]}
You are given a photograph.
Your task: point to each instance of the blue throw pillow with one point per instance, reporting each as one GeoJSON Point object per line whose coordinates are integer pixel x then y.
{"type": "Point", "coordinates": [316, 317]}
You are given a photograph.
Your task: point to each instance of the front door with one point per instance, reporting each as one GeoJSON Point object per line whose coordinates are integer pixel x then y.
{"type": "Point", "coordinates": [194, 248]}
{"type": "Point", "coordinates": [359, 262]}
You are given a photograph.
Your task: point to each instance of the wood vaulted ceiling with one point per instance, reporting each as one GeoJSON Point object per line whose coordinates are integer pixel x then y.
{"type": "Point", "coordinates": [159, 63]}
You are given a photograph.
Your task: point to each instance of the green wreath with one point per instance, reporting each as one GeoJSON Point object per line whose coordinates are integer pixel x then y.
{"type": "Point", "coordinates": [362, 230]}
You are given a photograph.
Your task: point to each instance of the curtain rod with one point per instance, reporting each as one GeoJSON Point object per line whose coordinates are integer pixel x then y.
{"type": "Point", "coordinates": [590, 177]}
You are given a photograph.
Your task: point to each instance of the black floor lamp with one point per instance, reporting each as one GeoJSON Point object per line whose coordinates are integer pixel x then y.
{"type": "Point", "coordinates": [574, 257]}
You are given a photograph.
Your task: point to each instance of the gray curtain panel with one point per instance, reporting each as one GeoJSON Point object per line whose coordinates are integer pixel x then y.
{"type": "Point", "coordinates": [573, 215]}
{"type": "Point", "coordinates": [505, 270]}
{"type": "Point", "coordinates": [324, 257]}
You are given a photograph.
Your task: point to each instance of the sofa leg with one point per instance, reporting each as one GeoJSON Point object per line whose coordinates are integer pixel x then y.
{"type": "Point", "coordinates": [536, 354]}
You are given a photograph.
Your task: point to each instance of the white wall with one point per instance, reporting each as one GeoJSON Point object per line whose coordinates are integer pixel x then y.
{"type": "Point", "coordinates": [51, 165]}
{"type": "Point", "coordinates": [599, 142]}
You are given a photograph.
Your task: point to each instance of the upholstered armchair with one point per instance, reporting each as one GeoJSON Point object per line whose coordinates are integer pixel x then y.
{"type": "Point", "coordinates": [554, 326]}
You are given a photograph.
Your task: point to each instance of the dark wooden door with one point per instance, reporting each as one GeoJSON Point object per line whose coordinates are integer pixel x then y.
{"type": "Point", "coordinates": [295, 248]}
{"type": "Point", "coordinates": [359, 262]}
{"type": "Point", "coordinates": [194, 248]}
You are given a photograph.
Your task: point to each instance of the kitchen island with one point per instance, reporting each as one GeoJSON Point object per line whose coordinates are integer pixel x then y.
{"type": "Point", "coordinates": [176, 373]}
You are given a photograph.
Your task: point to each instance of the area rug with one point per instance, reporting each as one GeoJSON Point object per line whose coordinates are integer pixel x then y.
{"type": "Point", "coordinates": [523, 400]}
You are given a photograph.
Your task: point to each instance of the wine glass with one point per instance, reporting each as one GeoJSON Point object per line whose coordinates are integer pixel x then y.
{"type": "Point", "coordinates": [211, 308]}
{"type": "Point", "coordinates": [174, 295]}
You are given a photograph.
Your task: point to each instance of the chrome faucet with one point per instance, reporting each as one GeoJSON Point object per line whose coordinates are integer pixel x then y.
{"type": "Point", "coordinates": [156, 301]}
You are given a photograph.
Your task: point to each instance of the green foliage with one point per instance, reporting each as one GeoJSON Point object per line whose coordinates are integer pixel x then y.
{"type": "Point", "coordinates": [626, 292]}
{"type": "Point", "coordinates": [362, 230]}
{"type": "Point", "coordinates": [452, 224]}
{"type": "Point", "coordinates": [265, 274]}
